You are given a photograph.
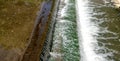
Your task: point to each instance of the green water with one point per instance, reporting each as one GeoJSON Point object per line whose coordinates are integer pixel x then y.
{"type": "Point", "coordinates": [66, 34]}
{"type": "Point", "coordinates": [71, 48]}
{"type": "Point", "coordinates": [105, 17]}
{"type": "Point", "coordinates": [108, 20]}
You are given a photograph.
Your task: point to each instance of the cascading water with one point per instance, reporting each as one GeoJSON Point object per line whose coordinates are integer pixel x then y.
{"type": "Point", "coordinates": [87, 32]}
{"type": "Point", "coordinates": [65, 45]}
{"type": "Point", "coordinates": [98, 31]}
{"type": "Point", "coordinates": [97, 37]}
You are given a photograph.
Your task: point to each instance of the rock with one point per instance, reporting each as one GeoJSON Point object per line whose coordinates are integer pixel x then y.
{"type": "Point", "coordinates": [116, 3]}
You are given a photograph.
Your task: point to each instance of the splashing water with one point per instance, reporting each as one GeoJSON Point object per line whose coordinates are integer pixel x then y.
{"type": "Point", "coordinates": [87, 31]}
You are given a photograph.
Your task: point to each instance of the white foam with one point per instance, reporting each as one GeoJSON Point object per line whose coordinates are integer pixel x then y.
{"type": "Point", "coordinates": [63, 11]}
{"type": "Point", "coordinates": [59, 32]}
{"type": "Point", "coordinates": [86, 31]}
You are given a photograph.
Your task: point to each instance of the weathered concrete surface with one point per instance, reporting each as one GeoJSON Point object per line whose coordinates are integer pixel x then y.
{"type": "Point", "coordinates": [9, 55]}
{"type": "Point", "coordinates": [40, 32]}
{"type": "Point", "coordinates": [16, 23]}
{"type": "Point", "coordinates": [45, 54]}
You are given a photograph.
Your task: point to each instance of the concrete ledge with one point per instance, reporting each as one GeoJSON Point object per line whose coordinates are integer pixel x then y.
{"type": "Point", "coordinates": [40, 32]}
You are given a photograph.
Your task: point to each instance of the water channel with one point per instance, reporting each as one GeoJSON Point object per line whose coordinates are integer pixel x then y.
{"type": "Point", "coordinates": [98, 32]}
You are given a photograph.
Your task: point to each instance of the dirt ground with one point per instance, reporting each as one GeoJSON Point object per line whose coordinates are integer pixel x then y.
{"type": "Point", "coordinates": [17, 19]}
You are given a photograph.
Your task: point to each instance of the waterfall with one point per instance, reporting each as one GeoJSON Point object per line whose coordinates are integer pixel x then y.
{"type": "Point", "coordinates": [87, 32]}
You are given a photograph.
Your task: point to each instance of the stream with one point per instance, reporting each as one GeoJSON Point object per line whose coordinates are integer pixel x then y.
{"type": "Point", "coordinates": [97, 25]}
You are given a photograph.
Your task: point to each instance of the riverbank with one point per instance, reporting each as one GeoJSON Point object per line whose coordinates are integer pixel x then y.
{"type": "Point", "coordinates": [16, 23]}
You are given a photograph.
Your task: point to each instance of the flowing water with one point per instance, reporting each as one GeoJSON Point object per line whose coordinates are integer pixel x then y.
{"type": "Point", "coordinates": [98, 30]}
{"type": "Point", "coordinates": [65, 45]}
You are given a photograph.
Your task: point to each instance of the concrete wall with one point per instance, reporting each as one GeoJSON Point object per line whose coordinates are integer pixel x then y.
{"type": "Point", "coordinates": [45, 55]}
{"type": "Point", "coordinates": [40, 41]}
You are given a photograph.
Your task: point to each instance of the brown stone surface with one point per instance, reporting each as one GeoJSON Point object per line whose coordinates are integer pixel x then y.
{"type": "Point", "coordinates": [9, 55]}
{"type": "Point", "coordinates": [16, 23]}
{"type": "Point", "coordinates": [39, 33]}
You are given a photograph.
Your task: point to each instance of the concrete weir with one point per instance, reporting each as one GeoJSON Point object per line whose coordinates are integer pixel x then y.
{"type": "Point", "coordinates": [39, 46]}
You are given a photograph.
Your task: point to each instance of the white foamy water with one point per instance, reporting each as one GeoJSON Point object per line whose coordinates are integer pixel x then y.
{"type": "Point", "coordinates": [87, 30]}
{"type": "Point", "coordinates": [59, 36]}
